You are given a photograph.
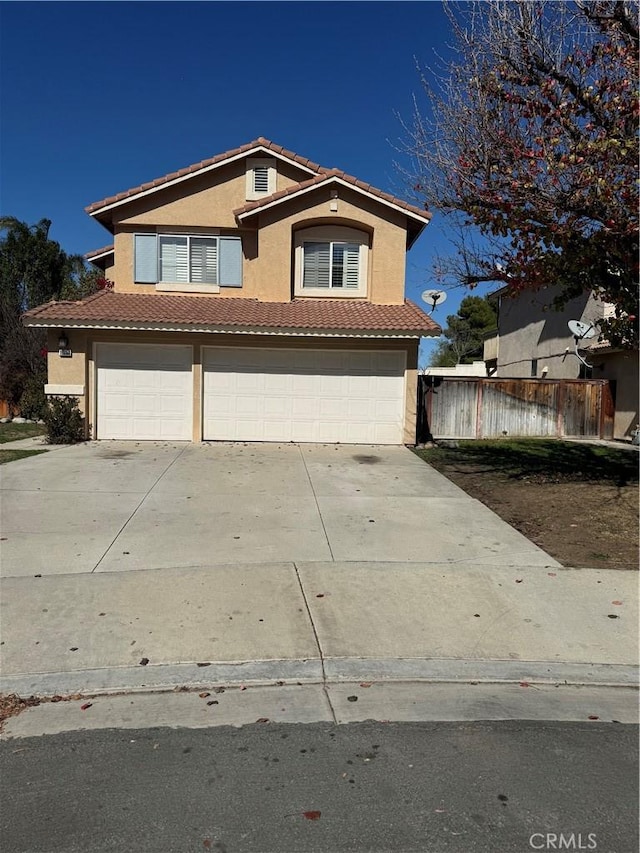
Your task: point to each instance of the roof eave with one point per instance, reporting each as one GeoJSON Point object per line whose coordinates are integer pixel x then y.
{"type": "Point", "coordinates": [297, 331]}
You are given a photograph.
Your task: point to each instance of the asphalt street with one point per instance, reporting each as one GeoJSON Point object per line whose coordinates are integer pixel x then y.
{"type": "Point", "coordinates": [468, 787]}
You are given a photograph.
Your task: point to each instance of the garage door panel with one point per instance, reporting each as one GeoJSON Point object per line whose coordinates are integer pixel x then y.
{"type": "Point", "coordinates": [303, 395]}
{"type": "Point", "coordinates": [144, 391]}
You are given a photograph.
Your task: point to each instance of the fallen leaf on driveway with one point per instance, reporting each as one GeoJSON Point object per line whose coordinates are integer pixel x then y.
{"type": "Point", "coordinates": [366, 683]}
{"type": "Point", "coordinates": [552, 574]}
{"type": "Point", "coordinates": [352, 698]}
{"type": "Point", "coordinates": [616, 602]}
{"type": "Point", "coordinates": [85, 706]}
{"type": "Point", "coordinates": [204, 695]}
{"type": "Point", "coordinates": [144, 661]}
{"type": "Point", "coordinates": [518, 580]}
{"type": "Point", "coordinates": [312, 815]}
{"type": "Point", "coordinates": [263, 720]}
{"type": "Point", "coordinates": [593, 717]}
{"type": "Point", "coordinates": [524, 684]}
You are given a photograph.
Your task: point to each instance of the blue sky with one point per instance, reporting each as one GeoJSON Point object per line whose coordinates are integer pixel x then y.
{"type": "Point", "coordinates": [100, 97]}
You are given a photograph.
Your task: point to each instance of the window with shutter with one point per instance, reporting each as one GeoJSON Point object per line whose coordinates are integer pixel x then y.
{"type": "Point", "coordinates": [335, 267]}
{"type": "Point", "coordinates": [193, 260]}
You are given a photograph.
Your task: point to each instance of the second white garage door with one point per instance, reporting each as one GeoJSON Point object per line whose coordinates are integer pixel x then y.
{"type": "Point", "coordinates": [355, 397]}
{"type": "Point", "coordinates": [144, 391]}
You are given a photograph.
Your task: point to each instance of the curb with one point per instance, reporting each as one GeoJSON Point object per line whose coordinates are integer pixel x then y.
{"type": "Point", "coordinates": [167, 677]}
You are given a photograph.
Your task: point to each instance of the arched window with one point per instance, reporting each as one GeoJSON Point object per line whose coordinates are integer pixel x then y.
{"type": "Point", "coordinates": [331, 261]}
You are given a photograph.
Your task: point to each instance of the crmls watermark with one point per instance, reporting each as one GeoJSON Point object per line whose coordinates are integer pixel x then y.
{"type": "Point", "coordinates": [563, 841]}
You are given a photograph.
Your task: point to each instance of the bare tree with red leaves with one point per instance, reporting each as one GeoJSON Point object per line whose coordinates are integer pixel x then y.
{"type": "Point", "coordinates": [530, 134]}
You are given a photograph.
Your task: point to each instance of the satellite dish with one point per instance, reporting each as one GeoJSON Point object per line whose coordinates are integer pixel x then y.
{"type": "Point", "coordinates": [581, 330]}
{"type": "Point", "coordinates": [433, 298]}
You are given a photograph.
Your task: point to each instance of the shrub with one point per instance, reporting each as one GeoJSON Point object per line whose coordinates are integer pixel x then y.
{"type": "Point", "coordinates": [33, 402]}
{"type": "Point", "coordinates": [65, 424]}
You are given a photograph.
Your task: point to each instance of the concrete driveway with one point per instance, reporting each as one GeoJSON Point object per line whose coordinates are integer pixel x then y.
{"type": "Point", "coordinates": [118, 506]}
{"type": "Point", "coordinates": [283, 563]}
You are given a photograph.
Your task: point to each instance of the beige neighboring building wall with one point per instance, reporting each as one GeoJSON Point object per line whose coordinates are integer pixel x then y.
{"type": "Point", "coordinates": [528, 330]}
{"type": "Point", "coordinates": [620, 367]}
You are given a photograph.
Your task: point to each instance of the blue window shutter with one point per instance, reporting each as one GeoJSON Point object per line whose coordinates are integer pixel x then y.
{"type": "Point", "coordinates": [146, 258]}
{"type": "Point", "coordinates": [230, 262]}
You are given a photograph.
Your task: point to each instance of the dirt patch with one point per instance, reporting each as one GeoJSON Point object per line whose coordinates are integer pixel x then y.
{"type": "Point", "coordinates": [579, 503]}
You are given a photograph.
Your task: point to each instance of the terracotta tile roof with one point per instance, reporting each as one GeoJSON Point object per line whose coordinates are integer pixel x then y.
{"type": "Point", "coordinates": [97, 252]}
{"type": "Point", "coordinates": [326, 176]}
{"type": "Point", "coordinates": [221, 313]}
{"type": "Point", "coordinates": [260, 142]}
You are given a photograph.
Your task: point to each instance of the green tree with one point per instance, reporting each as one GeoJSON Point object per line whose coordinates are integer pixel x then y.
{"type": "Point", "coordinates": [531, 136]}
{"type": "Point", "coordinates": [33, 269]}
{"type": "Point", "coordinates": [464, 333]}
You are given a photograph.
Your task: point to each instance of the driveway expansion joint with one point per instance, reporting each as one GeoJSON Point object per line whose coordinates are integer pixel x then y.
{"type": "Point", "coordinates": [142, 500]}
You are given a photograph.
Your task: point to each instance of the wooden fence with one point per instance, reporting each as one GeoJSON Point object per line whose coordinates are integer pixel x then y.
{"type": "Point", "coordinates": [494, 408]}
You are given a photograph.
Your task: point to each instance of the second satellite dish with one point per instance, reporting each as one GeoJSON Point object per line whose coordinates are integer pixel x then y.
{"type": "Point", "coordinates": [433, 298]}
{"type": "Point", "coordinates": [581, 330]}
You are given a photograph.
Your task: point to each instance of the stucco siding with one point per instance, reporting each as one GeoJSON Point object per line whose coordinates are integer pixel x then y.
{"type": "Point", "coordinates": [267, 242]}
{"type": "Point", "coordinates": [622, 368]}
{"type": "Point", "coordinates": [530, 329]}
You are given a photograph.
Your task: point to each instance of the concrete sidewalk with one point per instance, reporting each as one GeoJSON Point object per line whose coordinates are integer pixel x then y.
{"type": "Point", "coordinates": [317, 622]}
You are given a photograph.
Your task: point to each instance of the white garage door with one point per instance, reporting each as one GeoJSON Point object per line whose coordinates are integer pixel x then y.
{"type": "Point", "coordinates": [355, 397]}
{"type": "Point", "coordinates": [144, 391]}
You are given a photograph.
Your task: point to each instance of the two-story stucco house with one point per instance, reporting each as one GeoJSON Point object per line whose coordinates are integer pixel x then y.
{"type": "Point", "coordinates": [257, 296]}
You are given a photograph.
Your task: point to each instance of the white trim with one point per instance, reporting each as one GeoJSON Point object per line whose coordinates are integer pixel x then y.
{"type": "Point", "coordinates": [72, 390]}
{"type": "Point", "coordinates": [209, 168]}
{"type": "Point", "coordinates": [333, 179]}
{"type": "Point", "coordinates": [93, 258]}
{"type": "Point", "coordinates": [235, 330]}
{"type": "Point", "coordinates": [185, 287]}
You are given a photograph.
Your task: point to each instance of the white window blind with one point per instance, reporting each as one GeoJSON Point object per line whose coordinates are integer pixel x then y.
{"type": "Point", "coordinates": [174, 259]}
{"type": "Point", "coordinates": [203, 260]}
{"type": "Point", "coordinates": [351, 276]}
{"type": "Point", "coordinates": [335, 265]}
{"type": "Point", "coordinates": [317, 262]}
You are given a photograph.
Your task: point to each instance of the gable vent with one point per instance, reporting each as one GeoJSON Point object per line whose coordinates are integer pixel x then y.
{"type": "Point", "coordinates": [261, 179]}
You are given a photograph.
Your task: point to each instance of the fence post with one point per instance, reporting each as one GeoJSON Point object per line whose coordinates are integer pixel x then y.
{"type": "Point", "coordinates": [607, 410]}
